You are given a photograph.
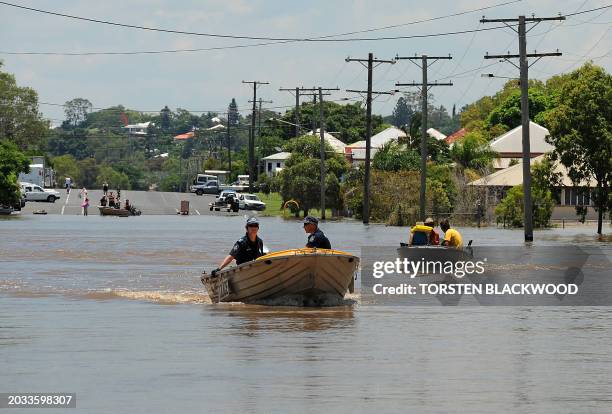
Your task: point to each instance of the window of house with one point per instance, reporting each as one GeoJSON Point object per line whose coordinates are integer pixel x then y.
{"type": "Point", "coordinates": [278, 165]}
{"type": "Point", "coordinates": [269, 166]}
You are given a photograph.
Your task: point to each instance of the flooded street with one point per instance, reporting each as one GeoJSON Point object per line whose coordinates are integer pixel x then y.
{"type": "Point", "coordinates": [113, 310]}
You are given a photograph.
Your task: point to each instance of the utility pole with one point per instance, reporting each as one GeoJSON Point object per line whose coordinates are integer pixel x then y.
{"type": "Point", "coordinates": [322, 136]}
{"type": "Point", "coordinates": [296, 113]}
{"type": "Point", "coordinates": [260, 101]}
{"type": "Point", "coordinates": [370, 61]}
{"type": "Point", "coordinates": [252, 133]}
{"type": "Point", "coordinates": [524, 84]}
{"type": "Point", "coordinates": [229, 142]}
{"type": "Point", "coordinates": [425, 86]}
{"type": "Point", "coordinates": [314, 118]}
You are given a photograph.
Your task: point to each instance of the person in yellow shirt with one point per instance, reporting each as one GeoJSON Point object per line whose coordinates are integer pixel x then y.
{"type": "Point", "coordinates": [452, 237]}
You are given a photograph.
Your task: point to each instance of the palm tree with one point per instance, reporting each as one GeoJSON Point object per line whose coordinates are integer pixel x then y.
{"type": "Point", "coordinates": [473, 151]}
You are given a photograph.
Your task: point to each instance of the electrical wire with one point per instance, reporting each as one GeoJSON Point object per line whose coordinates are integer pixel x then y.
{"type": "Point", "coordinates": [275, 42]}
{"type": "Point", "coordinates": [226, 36]}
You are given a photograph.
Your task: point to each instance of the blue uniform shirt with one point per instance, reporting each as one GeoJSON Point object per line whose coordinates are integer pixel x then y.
{"type": "Point", "coordinates": [318, 240]}
{"type": "Point", "coordinates": [245, 250]}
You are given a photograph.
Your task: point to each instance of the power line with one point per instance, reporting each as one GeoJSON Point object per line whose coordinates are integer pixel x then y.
{"type": "Point", "coordinates": [275, 42]}
{"type": "Point", "coordinates": [226, 36]}
{"type": "Point", "coordinates": [417, 36]}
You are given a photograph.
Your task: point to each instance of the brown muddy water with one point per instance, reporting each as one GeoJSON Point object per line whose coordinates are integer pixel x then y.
{"type": "Point", "coordinates": [112, 309]}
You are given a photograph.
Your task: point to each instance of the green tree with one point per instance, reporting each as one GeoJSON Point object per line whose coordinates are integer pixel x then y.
{"type": "Point", "coordinates": [347, 121]}
{"type": "Point", "coordinates": [581, 130]}
{"type": "Point", "coordinates": [233, 116]}
{"type": "Point", "coordinates": [511, 208]}
{"type": "Point", "coordinates": [300, 179]}
{"type": "Point", "coordinates": [115, 179]}
{"type": "Point", "coordinates": [12, 162]}
{"type": "Point", "coordinates": [165, 114]}
{"type": "Point", "coordinates": [394, 157]}
{"type": "Point", "coordinates": [473, 152]}
{"type": "Point", "coordinates": [88, 172]}
{"type": "Point", "coordinates": [402, 112]}
{"type": "Point", "coordinates": [76, 111]}
{"type": "Point", "coordinates": [544, 180]}
{"type": "Point", "coordinates": [508, 113]}
{"type": "Point", "coordinates": [66, 166]}
{"type": "Point", "coordinates": [20, 120]}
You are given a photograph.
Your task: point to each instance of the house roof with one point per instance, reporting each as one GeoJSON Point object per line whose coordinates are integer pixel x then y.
{"type": "Point", "coordinates": [511, 176]}
{"type": "Point", "coordinates": [216, 127]}
{"type": "Point", "coordinates": [187, 135]}
{"type": "Point", "coordinates": [436, 134]}
{"type": "Point", "coordinates": [336, 144]}
{"type": "Point", "coordinates": [512, 141]}
{"type": "Point", "coordinates": [455, 136]}
{"type": "Point", "coordinates": [139, 125]}
{"type": "Point", "coordinates": [359, 154]}
{"type": "Point", "coordinates": [279, 156]}
{"type": "Point", "coordinates": [380, 139]}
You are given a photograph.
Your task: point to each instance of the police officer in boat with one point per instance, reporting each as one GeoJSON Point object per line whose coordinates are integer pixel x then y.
{"type": "Point", "coordinates": [248, 248]}
{"type": "Point", "coordinates": [316, 237]}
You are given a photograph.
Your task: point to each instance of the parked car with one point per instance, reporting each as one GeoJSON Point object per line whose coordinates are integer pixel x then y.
{"type": "Point", "coordinates": [210, 187]}
{"type": "Point", "coordinates": [250, 202]}
{"type": "Point", "coordinates": [228, 199]}
{"type": "Point", "coordinates": [33, 192]}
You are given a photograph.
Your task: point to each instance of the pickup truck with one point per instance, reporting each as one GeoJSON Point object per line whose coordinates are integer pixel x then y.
{"type": "Point", "coordinates": [33, 192]}
{"type": "Point", "coordinates": [227, 200]}
{"type": "Point", "coordinates": [211, 187]}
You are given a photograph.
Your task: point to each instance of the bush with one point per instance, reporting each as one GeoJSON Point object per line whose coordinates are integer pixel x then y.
{"type": "Point", "coordinates": [511, 209]}
{"type": "Point", "coordinates": [114, 178]}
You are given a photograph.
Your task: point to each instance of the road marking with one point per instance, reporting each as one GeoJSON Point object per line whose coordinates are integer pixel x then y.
{"type": "Point", "coordinates": [65, 203]}
{"type": "Point", "coordinates": [196, 210]}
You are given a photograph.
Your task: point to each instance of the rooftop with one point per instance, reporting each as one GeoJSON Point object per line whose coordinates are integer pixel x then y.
{"type": "Point", "coordinates": [512, 141]}
{"type": "Point", "coordinates": [513, 175]}
{"type": "Point", "coordinates": [278, 156]}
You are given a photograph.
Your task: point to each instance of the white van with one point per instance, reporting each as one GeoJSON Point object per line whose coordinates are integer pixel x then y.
{"type": "Point", "coordinates": [204, 178]}
{"type": "Point", "coordinates": [33, 192]}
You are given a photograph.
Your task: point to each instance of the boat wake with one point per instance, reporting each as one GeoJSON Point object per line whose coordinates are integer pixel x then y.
{"type": "Point", "coordinates": [162, 297]}
{"type": "Point", "coordinates": [323, 300]}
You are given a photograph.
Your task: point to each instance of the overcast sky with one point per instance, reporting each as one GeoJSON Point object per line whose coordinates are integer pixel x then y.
{"type": "Point", "coordinates": [208, 80]}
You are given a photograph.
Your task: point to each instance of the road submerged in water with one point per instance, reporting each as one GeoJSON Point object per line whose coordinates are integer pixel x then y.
{"type": "Point", "coordinates": [80, 312]}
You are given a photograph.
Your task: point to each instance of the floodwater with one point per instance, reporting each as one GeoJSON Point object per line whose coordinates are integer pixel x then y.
{"type": "Point", "coordinates": [113, 310]}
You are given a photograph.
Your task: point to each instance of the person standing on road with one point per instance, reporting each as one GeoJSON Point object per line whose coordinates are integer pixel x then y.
{"type": "Point", "coordinates": [85, 206]}
{"type": "Point", "coordinates": [316, 238]}
{"type": "Point", "coordinates": [68, 184]}
{"type": "Point", "coordinates": [105, 188]}
{"type": "Point", "coordinates": [83, 193]}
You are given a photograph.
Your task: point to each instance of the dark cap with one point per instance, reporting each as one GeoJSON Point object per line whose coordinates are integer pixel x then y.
{"type": "Point", "coordinates": [252, 221]}
{"type": "Point", "coordinates": [311, 220]}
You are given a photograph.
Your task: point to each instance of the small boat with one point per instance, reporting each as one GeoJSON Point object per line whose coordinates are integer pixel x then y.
{"type": "Point", "coordinates": [43, 212]}
{"type": "Point", "coordinates": [119, 212]}
{"type": "Point", "coordinates": [309, 277]}
{"type": "Point", "coordinates": [432, 253]}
